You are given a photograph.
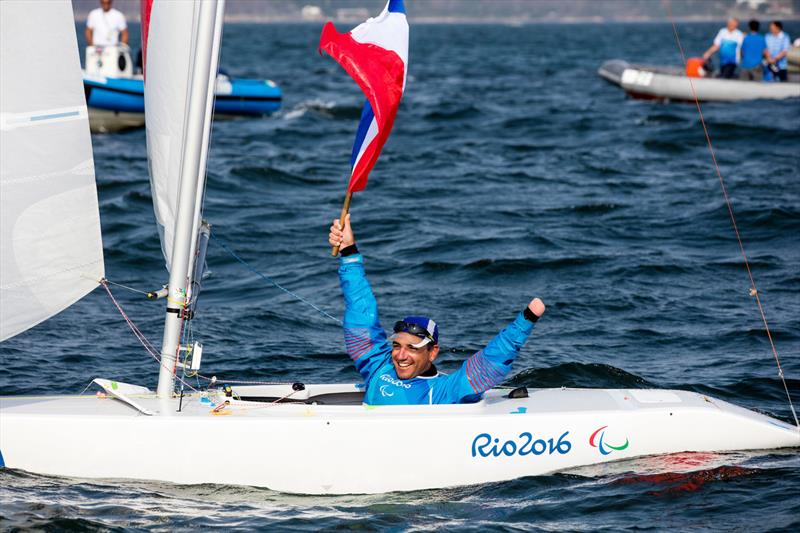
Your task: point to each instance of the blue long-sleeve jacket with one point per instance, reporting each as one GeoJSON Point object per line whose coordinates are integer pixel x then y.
{"type": "Point", "coordinates": [371, 351]}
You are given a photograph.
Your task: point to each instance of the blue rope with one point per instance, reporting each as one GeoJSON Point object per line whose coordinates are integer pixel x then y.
{"type": "Point", "coordinates": [270, 280]}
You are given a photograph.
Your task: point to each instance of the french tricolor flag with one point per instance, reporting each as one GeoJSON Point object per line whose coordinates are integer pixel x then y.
{"type": "Point", "coordinates": [375, 54]}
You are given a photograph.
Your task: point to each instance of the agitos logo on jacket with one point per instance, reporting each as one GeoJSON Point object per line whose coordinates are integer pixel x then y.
{"type": "Point", "coordinates": [604, 447]}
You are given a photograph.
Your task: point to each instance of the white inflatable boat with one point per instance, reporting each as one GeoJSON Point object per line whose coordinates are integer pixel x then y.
{"type": "Point", "coordinates": [672, 84]}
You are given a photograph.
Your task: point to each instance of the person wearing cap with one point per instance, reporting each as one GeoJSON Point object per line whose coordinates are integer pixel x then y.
{"type": "Point", "coordinates": [400, 369]}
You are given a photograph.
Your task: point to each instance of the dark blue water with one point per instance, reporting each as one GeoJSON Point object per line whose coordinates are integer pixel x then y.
{"type": "Point", "coordinates": [513, 171]}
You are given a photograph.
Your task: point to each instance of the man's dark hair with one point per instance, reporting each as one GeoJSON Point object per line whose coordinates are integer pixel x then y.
{"type": "Point", "coordinates": [753, 25]}
{"type": "Point", "coordinates": [779, 24]}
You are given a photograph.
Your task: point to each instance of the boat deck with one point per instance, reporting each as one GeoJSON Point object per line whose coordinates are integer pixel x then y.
{"type": "Point", "coordinates": [345, 401]}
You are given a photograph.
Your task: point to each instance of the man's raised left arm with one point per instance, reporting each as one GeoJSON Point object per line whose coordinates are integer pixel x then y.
{"type": "Point", "coordinates": [490, 366]}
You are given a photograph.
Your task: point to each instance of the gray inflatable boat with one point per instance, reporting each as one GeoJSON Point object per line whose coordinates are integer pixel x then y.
{"type": "Point", "coordinates": [672, 84]}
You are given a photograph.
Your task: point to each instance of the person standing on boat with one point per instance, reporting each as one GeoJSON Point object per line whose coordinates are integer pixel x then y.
{"type": "Point", "coordinates": [106, 26]}
{"type": "Point", "coordinates": [400, 369]}
{"type": "Point", "coordinates": [754, 50]}
{"type": "Point", "coordinates": [728, 42]}
{"type": "Point", "coordinates": [778, 45]}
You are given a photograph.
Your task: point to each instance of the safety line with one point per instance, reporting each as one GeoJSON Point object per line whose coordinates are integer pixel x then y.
{"type": "Point", "coordinates": [753, 288]}
{"type": "Point", "coordinates": [215, 379]}
{"type": "Point", "coordinates": [270, 280]}
{"type": "Point", "coordinates": [86, 388]}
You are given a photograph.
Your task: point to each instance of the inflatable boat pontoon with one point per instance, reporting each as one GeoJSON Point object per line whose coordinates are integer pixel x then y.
{"type": "Point", "coordinates": [118, 103]}
{"type": "Point", "coordinates": [115, 95]}
{"type": "Point", "coordinates": [672, 84]}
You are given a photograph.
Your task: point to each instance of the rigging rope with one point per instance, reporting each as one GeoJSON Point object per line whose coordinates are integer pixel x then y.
{"type": "Point", "coordinates": [753, 288]}
{"type": "Point", "coordinates": [127, 287]}
{"type": "Point", "coordinates": [275, 283]}
{"type": "Point", "coordinates": [148, 346]}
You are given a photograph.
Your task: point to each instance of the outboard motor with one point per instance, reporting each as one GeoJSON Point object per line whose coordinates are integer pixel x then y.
{"type": "Point", "coordinates": [112, 61]}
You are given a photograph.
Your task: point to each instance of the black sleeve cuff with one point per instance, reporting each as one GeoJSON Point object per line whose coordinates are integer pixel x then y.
{"type": "Point", "coordinates": [350, 250]}
{"type": "Point", "coordinates": [529, 315]}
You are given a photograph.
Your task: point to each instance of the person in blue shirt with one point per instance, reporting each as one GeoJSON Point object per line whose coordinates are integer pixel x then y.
{"type": "Point", "coordinates": [778, 45]}
{"type": "Point", "coordinates": [754, 50]}
{"type": "Point", "coordinates": [400, 369]}
{"type": "Point", "coordinates": [728, 42]}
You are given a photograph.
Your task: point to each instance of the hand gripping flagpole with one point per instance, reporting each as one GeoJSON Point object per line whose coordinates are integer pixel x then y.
{"type": "Point", "coordinates": [375, 54]}
{"type": "Point", "coordinates": [345, 210]}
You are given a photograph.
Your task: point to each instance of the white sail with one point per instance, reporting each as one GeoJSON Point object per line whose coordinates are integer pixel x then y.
{"type": "Point", "coordinates": [181, 59]}
{"type": "Point", "coordinates": [166, 103]}
{"type": "Point", "coordinates": [51, 252]}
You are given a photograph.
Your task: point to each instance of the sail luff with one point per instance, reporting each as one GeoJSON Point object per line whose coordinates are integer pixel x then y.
{"type": "Point", "coordinates": [211, 91]}
{"type": "Point", "coordinates": [169, 29]}
{"type": "Point", "coordinates": [192, 177]}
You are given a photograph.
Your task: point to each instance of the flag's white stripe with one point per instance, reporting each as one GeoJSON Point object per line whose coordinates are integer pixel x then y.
{"type": "Point", "coordinates": [387, 30]}
{"type": "Point", "coordinates": [372, 132]}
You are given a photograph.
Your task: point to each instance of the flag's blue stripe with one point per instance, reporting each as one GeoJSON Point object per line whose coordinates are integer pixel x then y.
{"type": "Point", "coordinates": [367, 116]}
{"type": "Point", "coordinates": [396, 6]}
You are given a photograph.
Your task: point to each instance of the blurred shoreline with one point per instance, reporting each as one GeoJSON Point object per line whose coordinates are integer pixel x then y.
{"type": "Point", "coordinates": [477, 21]}
{"type": "Point", "coordinates": [507, 12]}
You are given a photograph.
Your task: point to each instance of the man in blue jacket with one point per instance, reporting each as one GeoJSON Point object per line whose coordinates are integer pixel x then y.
{"type": "Point", "coordinates": [400, 369]}
{"type": "Point", "coordinates": [754, 50]}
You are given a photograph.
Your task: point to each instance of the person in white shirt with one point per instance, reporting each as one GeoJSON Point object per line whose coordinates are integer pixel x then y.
{"type": "Point", "coordinates": [729, 42]}
{"type": "Point", "coordinates": [106, 26]}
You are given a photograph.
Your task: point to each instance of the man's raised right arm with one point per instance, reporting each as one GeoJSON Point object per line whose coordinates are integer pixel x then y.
{"type": "Point", "coordinates": [364, 337]}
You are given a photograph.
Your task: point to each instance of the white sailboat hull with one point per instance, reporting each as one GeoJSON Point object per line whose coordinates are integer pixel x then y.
{"type": "Point", "coordinates": [340, 449]}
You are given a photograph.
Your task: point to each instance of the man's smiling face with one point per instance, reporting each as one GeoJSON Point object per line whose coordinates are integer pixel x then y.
{"type": "Point", "coordinates": [409, 362]}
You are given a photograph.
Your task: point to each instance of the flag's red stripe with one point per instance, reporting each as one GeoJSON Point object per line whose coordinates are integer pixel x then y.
{"type": "Point", "coordinates": [379, 73]}
{"type": "Point", "coordinates": [358, 179]}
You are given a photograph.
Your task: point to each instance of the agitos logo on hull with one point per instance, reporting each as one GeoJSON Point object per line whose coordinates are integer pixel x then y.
{"type": "Point", "coordinates": [604, 447]}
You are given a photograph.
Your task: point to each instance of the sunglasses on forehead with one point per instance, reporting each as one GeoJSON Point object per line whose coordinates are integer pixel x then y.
{"type": "Point", "coordinates": [409, 327]}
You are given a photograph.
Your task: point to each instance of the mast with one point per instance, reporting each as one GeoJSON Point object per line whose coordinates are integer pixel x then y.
{"type": "Point", "coordinates": [211, 89]}
{"type": "Point", "coordinates": [192, 178]}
